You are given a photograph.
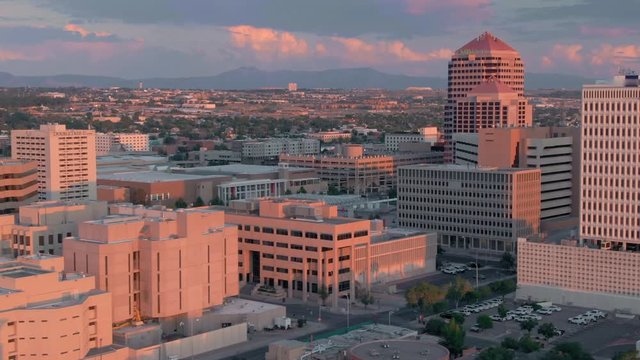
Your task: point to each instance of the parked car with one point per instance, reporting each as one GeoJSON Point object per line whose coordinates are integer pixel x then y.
{"type": "Point", "coordinates": [596, 313]}
{"type": "Point", "coordinates": [544, 311]}
{"type": "Point", "coordinates": [554, 308]}
{"type": "Point", "coordinates": [475, 328]}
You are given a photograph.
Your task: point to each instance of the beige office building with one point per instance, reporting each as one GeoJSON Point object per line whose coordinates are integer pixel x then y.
{"type": "Point", "coordinates": [486, 209]}
{"type": "Point", "coordinates": [66, 160]}
{"type": "Point", "coordinates": [610, 201]}
{"type": "Point", "coordinates": [114, 142]}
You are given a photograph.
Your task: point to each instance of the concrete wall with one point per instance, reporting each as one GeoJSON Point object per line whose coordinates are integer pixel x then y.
{"type": "Point", "coordinates": [607, 302]}
{"type": "Point", "coordinates": [194, 345]}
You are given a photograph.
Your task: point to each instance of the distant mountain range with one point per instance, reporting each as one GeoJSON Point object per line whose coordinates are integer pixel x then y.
{"type": "Point", "coordinates": [252, 78]}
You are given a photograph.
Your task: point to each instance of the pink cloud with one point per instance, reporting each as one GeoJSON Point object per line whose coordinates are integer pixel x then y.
{"type": "Point", "coordinates": [607, 31]}
{"type": "Point", "coordinates": [419, 7]}
{"type": "Point", "coordinates": [266, 41]}
{"type": "Point", "coordinates": [568, 52]}
{"type": "Point", "coordinates": [377, 52]}
{"type": "Point", "coordinates": [10, 55]}
{"type": "Point", "coordinates": [321, 49]}
{"type": "Point", "coordinates": [84, 32]}
{"type": "Point", "coordinates": [615, 55]}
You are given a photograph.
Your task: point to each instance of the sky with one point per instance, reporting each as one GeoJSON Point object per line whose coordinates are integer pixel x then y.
{"type": "Point", "coordinates": [176, 38]}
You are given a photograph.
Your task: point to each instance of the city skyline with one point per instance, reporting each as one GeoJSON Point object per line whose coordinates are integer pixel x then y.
{"type": "Point", "coordinates": [414, 37]}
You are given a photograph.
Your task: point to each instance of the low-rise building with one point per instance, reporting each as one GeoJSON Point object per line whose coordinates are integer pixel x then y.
{"type": "Point", "coordinates": [256, 151]}
{"type": "Point", "coordinates": [302, 247]}
{"type": "Point", "coordinates": [117, 142]}
{"type": "Point", "coordinates": [354, 172]}
{"type": "Point", "coordinates": [18, 184]}
{"type": "Point", "coordinates": [424, 135]}
{"type": "Point", "coordinates": [160, 264]}
{"type": "Point", "coordinates": [40, 228]}
{"type": "Point", "coordinates": [569, 273]}
{"type": "Point", "coordinates": [47, 313]}
{"type": "Point", "coordinates": [329, 136]}
{"type": "Point", "coordinates": [485, 209]}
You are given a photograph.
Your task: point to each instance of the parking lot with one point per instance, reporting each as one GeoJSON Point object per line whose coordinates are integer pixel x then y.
{"type": "Point", "coordinates": [603, 337]}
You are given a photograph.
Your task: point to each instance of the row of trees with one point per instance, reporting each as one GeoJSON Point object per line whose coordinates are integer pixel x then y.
{"type": "Point", "coordinates": [431, 298]}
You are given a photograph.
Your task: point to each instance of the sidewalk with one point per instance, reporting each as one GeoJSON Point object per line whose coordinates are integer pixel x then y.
{"type": "Point", "coordinates": [263, 339]}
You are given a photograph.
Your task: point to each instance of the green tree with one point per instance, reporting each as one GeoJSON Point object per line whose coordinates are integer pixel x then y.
{"type": "Point", "coordinates": [548, 330]}
{"type": "Point", "coordinates": [471, 297]}
{"type": "Point", "coordinates": [333, 190]}
{"type": "Point", "coordinates": [528, 345]}
{"type": "Point", "coordinates": [485, 322]}
{"type": "Point", "coordinates": [168, 140]}
{"type": "Point", "coordinates": [323, 293]}
{"type": "Point", "coordinates": [507, 261]}
{"type": "Point", "coordinates": [367, 299]}
{"type": "Point", "coordinates": [453, 338]}
{"type": "Point", "coordinates": [528, 325]}
{"type": "Point", "coordinates": [459, 318]}
{"type": "Point", "coordinates": [424, 295]}
{"type": "Point", "coordinates": [502, 311]}
{"type": "Point", "coordinates": [439, 307]}
{"type": "Point", "coordinates": [216, 201]}
{"type": "Point", "coordinates": [181, 204]}
{"type": "Point", "coordinates": [434, 327]}
{"type": "Point", "coordinates": [568, 351]}
{"type": "Point", "coordinates": [496, 353]}
{"type": "Point", "coordinates": [628, 355]}
{"type": "Point", "coordinates": [302, 190]}
{"type": "Point", "coordinates": [288, 192]}
{"type": "Point", "coordinates": [510, 343]}
{"type": "Point", "coordinates": [199, 202]}
{"type": "Point", "coordinates": [457, 289]}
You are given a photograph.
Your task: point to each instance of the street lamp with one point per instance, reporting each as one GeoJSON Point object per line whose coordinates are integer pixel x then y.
{"type": "Point", "coordinates": [390, 312]}
{"type": "Point", "coordinates": [348, 309]}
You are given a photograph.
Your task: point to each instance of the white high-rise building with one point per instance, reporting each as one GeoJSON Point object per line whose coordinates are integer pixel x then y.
{"type": "Point", "coordinates": [610, 189]}
{"type": "Point", "coordinates": [66, 160]}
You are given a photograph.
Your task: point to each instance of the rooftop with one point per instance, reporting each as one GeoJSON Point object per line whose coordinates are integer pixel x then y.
{"type": "Point", "coordinates": [152, 176]}
{"type": "Point", "coordinates": [236, 169]}
{"type": "Point", "coordinates": [242, 306]}
{"type": "Point", "coordinates": [485, 42]}
{"type": "Point", "coordinates": [21, 271]}
{"type": "Point", "coordinates": [390, 234]}
{"type": "Point", "coordinates": [459, 167]}
{"type": "Point", "coordinates": [491, 86]}
{"type": "Point", "coordinates": [424, 349]}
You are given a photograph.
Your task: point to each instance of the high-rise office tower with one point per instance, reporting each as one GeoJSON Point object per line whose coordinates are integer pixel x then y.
{"type": "Point", "coordinates": [610, 189]}
{"type": "Point", "coordinates": [486, 88]}
{"type": "Point", "coordinates": [66, 160]}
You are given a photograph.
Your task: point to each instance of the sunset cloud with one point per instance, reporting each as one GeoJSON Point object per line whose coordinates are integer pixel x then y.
{"type": "Point", "coordinates": [611, 32]}
{"type": "Point", "coordinates": [377, 52]}
{"type": "Point", "coordinates": [84, 32]}
{"type": "Point", "coordinates": [419, 7]}
{"type": "Point", "coordinates": [266, 41]}
{"type": "Point", "coordinates": [9, 55]}
{"type": "Point", "coordinates": [615, 55]}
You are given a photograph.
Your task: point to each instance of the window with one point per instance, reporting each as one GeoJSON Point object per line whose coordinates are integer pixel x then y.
{"type": "Point", "coordinates": [267, 230]}
{"type": "Point", "coordinates": [361, 233]}
{"type": "Point", "coordinates": [296, 259]}
{"type": "Point", "coordinates": [282, 231]}
{"type": "Point", "coordinates": [50, 239]}
{"type": "Point", "coordinates": [282, 245]}
{"type": "Point", "coordinates": [311, 248]}
{"type": "Point", "coordinates": [267, 268]}
{"type": "Point", "coordinates": [283, 270]}
{"type": "Point", "coordinates": [282, 257]}
{"type": "Point", "coordinates": [344, 257]}
{"type": "Point", "coordinates": [267, 256]}
{"type": "Point", "coordinates": [344, 271]}
{"type": "Point", "coordinates": [296, 233]}
{"type": "Point", "coordinates": [296, 247]}
{"type": "Point", "coordinates": [59, 238]}
{"type": "Point", "coordinates": [326, 237]}
{"type": "Point", "coordinates": [311, 235]}
{"type": "Point", "coordinates": [344, 236]}
{"type": "Point", "coordinates": [41, 240]}
{"type": "Point", "coordinates": [256, 228]}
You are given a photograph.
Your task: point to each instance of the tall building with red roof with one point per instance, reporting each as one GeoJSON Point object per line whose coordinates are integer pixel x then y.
{"type": "Point", "coordinates": [486, 88]}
